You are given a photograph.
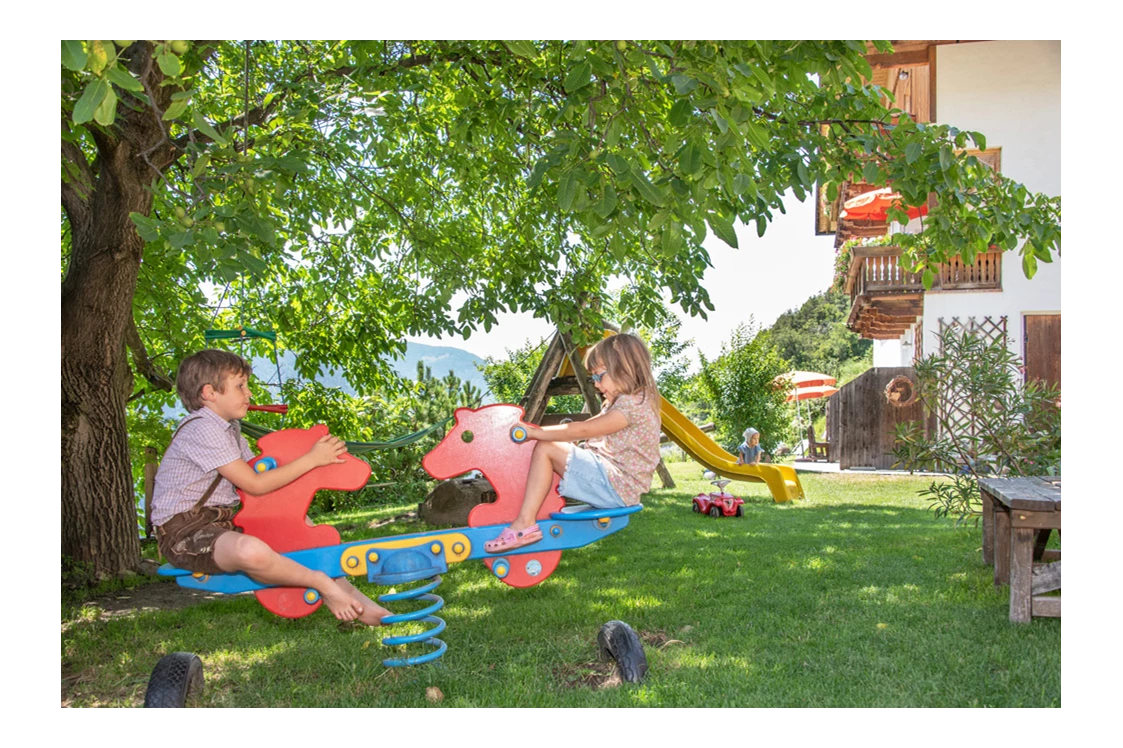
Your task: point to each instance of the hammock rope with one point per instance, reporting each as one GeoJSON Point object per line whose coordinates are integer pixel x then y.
{"type": "Point", "coordinates": [256, 431]}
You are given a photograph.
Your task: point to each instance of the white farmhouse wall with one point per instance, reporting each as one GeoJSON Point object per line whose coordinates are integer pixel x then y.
{"type": "Point", "coordinates": [1010, 92]}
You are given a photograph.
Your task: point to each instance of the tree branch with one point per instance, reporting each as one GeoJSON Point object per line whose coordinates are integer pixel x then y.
{"type": "Point", "coordinates": [144, 365]}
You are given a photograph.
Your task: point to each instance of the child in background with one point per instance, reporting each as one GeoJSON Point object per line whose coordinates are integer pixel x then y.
{"type": "Point", "coordinates": [620, 455]}
{"type": "Point", "coordinates": [750, 450]}
{"type": "Point", "coordinates": [194, 500]}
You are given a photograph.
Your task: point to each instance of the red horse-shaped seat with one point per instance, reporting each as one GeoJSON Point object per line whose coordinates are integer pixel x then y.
{"type": "Point", "coordinates": [278, 517]}
{"type": "Point", "coordinates": [481, 440]}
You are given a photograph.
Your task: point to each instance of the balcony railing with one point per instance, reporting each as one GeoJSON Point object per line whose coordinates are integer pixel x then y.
{"type": "Point", "coordinates": [876, 271]}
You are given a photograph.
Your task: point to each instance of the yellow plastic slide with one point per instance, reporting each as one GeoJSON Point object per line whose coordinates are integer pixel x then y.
{"type": "Point", "coordinates": [781, 479]}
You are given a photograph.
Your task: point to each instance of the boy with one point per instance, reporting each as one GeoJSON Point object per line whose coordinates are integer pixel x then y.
{"type": "Point", "coordinates": [750, 450]}
{"type": "Point", "coordinates": [194, 500]}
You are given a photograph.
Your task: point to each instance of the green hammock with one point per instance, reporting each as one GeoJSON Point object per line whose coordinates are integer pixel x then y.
{"type": "Point", "coordinates": [239, 334]}
{"type": "Point", "coordinates": [257, 431]}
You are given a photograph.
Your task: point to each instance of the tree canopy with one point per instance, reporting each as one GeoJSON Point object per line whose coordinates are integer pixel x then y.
{"type": "Point", "coordinates": [350, 193]}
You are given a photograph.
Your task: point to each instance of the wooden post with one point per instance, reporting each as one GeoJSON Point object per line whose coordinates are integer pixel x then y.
{"type": "Point", "coordinates": [988, 528]}
{"type": "Point", "coordinates": [536, 398]}
{"type": "Point", "coordinates": [664, 475]}
{"type": "Point", "coordinates": [1001, 546]}
{"type": "Point", "coordinates": [1021, 575]}
{"type": "Point", "coordinates": [592, 397]}
{"type": "Point", "coordinates": [151, 463]}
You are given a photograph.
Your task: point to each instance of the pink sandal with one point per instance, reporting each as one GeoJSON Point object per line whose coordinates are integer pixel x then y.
{"type": "Point", "coordinates": [509, 539]}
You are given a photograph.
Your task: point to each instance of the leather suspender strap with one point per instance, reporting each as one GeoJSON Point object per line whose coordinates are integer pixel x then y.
{"type": "Point", "coordinates": [217, 479]}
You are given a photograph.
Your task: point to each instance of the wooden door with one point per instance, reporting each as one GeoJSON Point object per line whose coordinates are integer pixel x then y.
{"type": "Point", "coordinates": [1042, 341]}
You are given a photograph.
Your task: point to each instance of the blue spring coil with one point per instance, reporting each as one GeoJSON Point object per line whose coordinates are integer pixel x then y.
{"type": "Point", "coordinates": [427, 637]}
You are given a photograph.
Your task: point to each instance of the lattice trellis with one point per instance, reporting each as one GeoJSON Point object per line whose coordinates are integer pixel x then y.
{"type": "Point", "coordinates": [953, 403]}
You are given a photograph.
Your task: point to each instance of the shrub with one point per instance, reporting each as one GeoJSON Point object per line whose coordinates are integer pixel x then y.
{"type": "Point", "coordinates": [988, 422]}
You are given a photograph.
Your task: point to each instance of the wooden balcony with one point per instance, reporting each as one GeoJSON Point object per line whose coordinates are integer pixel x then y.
{"type": "Point", "coordinates": [886, 299]}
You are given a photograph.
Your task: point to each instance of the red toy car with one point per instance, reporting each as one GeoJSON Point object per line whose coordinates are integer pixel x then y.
{"type": "Point", "coordinates": [718, 503]}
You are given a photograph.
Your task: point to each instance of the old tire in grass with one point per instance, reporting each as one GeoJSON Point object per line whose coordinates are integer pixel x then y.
{"type": "Point", "coordinates": [694, 505]}
{"type": "Point", "coordinates": [617, 641]}
{"type": "Point", "coordinates": [176, 680]}
{"type": "Point", "coordinates": [740, 511]}
{"type": "Point", "coordinates": [715, 511]}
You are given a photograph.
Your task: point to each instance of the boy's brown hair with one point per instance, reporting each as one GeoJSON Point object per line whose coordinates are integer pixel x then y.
{"type": "Point", "coordinates": [211, 367]}
{"type": "Point", "coordinates": [628, 363]}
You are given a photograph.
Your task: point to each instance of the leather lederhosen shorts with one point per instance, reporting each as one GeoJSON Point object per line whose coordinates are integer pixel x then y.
{"type": "Point", "coordinates": [187, 539]}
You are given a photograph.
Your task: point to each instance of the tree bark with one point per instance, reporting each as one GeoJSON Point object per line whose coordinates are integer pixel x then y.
{"type": "Point", "coordinates": [99, 520]}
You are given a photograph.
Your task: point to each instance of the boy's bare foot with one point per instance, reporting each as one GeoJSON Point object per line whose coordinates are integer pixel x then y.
{"type": "Point", "coordinates": [340, 602]}
{"type": "Point", "coordinates": [373, 613]}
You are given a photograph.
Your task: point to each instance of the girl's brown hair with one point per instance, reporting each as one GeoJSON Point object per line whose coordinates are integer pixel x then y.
{"type": "Point", "coordinates": [627, 361]}
{"type": "Point", "coordinates": [211, 367]}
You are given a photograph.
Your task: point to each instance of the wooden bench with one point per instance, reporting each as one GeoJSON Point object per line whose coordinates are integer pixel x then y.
{"type": "Point", "coordinates": [1018, 516]}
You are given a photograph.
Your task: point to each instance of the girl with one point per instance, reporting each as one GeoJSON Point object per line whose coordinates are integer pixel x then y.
{"type": "Point", "coordinates": [750, 450]}
{"type": "Point", "coordinates": [616, 464]}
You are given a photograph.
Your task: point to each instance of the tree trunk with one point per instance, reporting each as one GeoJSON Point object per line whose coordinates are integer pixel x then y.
{"type": "Point", "coordinates": [99, 521]}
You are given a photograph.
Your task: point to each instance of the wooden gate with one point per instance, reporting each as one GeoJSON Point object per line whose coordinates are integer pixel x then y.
{"type": "Point", "coordinates": [861, 423]}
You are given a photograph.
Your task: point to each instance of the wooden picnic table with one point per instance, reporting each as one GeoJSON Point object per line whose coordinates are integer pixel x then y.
{"type": "Point", "coordinates": [1018, 516]}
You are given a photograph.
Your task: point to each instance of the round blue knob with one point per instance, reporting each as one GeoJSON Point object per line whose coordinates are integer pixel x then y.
{"type": "Point", "coordinates": [265, 463]}
{"type": "Point", "coordinates": [519, 433]}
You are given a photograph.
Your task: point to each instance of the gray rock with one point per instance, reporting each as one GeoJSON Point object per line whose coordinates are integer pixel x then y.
{"type": "Point", "coordinates": [450, 502]}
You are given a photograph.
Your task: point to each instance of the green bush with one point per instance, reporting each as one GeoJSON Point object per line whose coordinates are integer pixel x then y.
{"type": "Point", "coordinates": [988, 422]}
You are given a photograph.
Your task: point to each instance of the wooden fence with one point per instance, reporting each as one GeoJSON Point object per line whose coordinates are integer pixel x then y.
{"type": "Point", "coordinates": [861, 422]}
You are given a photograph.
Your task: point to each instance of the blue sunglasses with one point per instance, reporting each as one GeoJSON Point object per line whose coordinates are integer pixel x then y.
{"type": "Point", "coordinates": [597, 377]}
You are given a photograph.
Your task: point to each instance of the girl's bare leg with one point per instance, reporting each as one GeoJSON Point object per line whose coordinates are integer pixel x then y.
{"type": "Point", "coordinates": [548, 458]}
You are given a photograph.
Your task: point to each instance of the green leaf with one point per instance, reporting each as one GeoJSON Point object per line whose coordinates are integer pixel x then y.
{"type": "Point", "coordinates": [206, 128]}
{"type": "Point", "coordinates": [176, 108]}
{"type": "Point", "coordinates": [73, 55]}
{"type": "Point", "coordinates": [91, 99]}
{"type": "Point", "coordinates": [761, 225]}
{"type": "Point", "coordinates": [719, 121]}
{"type": "Point", "coordinates": [123, 78]}
{"type": "Point", "coordinates": [1029, 264]}
{"type": "Point", "coordinates": [106, 111]}
{"type": "Point", "coordinates": [255, 266]}
{"type": "Point", "coordinates": [567, 191]}
{"type": "Point", "coordinates": [578, 77]}
{"type": "Point", "coordinates": [803, 174]}
{"type": "Point", "coordinates": [181, 239]}
{"type": "Point", "coordinates": [723, 228]}
{"type": "Point", "coordinates": [912, 152]}
{"type": "Point", "coordinates": [148, 229]}
{"type": "Point", "coordinates": [684, 84]}
{"type": "Point", "coordinates": [869, 172]}
{"type": "Point", "coordinates": [200, 166]}
{"type": "Point", "coordinates": [263, 229]}
{"type": "Point", "coordinates": [680, 112]}
{"type": "Point", "coordinates": [521, 48]}
{"type": "Point", "coordinates": [168, 61]}
{"type": "Point", "coordinates": [980, 140]}
{"type": "Point", "coordinates": [536, 173]}
{"type": "Point", "coordinates": [756, 135]}
{"type": "Point", "coordinates": [647, 189]}
{"type": "Point", "coordinates": [946, 157]}
{"type": "Point", "coordinates": [928, 278]}
{"type": "Point", "coordinates": [607, 203]}
{"type": "Point", "coordinates": [691, 159]}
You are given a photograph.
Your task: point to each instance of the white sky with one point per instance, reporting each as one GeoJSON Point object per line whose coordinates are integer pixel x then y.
{"type": "Point", "coordinates": [764, 278]}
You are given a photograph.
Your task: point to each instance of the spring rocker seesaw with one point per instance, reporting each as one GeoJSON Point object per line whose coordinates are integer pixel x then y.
{"type": "Point", "coordinates": [490, 439]}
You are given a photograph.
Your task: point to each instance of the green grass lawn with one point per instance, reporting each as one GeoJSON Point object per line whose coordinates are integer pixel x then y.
{"type": "Point", "coordinates": [854, 597]}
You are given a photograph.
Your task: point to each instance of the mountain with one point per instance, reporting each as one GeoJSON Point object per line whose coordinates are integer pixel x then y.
{"type": "Point", "coordinates": [440, 360]}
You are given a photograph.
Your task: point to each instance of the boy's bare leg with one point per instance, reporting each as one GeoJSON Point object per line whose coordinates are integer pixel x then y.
{"type": "Point", "coordinates": [548, 458]}
{"type": "Point", "coordinates": [373, 613]}
{"type": "Point", "coordinates": [234, 551]}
